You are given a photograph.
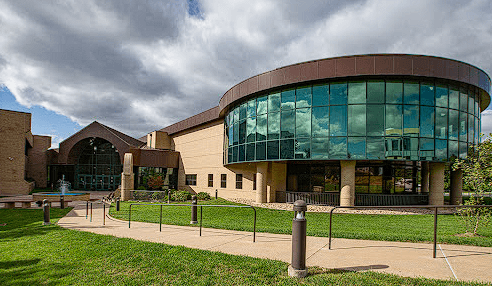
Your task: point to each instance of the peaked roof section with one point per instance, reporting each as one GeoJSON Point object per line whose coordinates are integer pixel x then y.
{"type": "Point", "coordinates": [123, 137]}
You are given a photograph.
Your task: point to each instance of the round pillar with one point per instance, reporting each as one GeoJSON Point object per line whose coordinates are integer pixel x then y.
{"type": "Point", "coordinates": [261, 182]}
{"type": "Point", "coordinates": [436, 183]}
{"type": "Point", "coordinates": [456, 187]}
{"type": "Point", "coordinates": [424, 173]}
{"type": "Point", "coordinates": [347, 182]}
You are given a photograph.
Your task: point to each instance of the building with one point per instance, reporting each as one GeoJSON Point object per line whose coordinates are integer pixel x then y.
{"type": "Point", "coordinates": [354, 130]}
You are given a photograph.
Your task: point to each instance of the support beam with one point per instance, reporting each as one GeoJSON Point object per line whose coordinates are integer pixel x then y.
{"type": "Point", "coordinates": [261, 182]}
{"type": "Point", "coordinates": [347, 182]}
{"type": "Point", "coordinates": [456, 187]}
{"type": "Point", "coordinates": [127, 177]}
{"type": "Point", "coordinates": [278, 179]}
{"type": "Point", "coordinates": [424, 173]}
{"type": "Point", "coordinates": [436, 183]}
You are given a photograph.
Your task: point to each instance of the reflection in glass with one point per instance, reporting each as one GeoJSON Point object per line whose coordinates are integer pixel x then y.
{"type": "Point", "coordinates": [261, 105]}
{"type": "Point", "coordinates": [236, 133]}
{"type": "Point", "coordinates": [242, 132]}
{"type": "Point", "coordinates": [252, 107]}
{"type": "Point", "coordinates": [394, 92]}
{"type": "Point", "coordinates": [453, 149]}
{"type": "Point", "coordinates": [321, 94]}
{"type": "Point", "coordinates": [426, 121]}
{"type": "Point", "coordinates": [288, 99]}
{"type": "Point", "coordinates": [375, 92]}
{"type": "Point", "coordinates": [234, 153]}
{"type": "Point", "coordinates": [357, 120]}
{"type": "Point", "coordinates": [426, 149]}
{"type": "Point", "coordinates": [427, 95]}
{"type": "Point", "coordinates": [471, 124]}
{"type": "Point", "coordinates": [441, 149]}
{"type": "Point", "coordinates": [303, 122]}
{"type": "Point", "coordinates": [242, 111]}
{"type": "Point", "coordinates": [287, 126]}
{"type": "Point", "coordinates": [250, 152]}
{"type": "Point", "coordinates": [303, 97]}
{"type": "Point", "coordinates": [454, 97]}
{"type": "Point", "coordinates": [375, 120]}
{"type": "Point", "coordinates": [453, 124]}
{"type": "Point", "coordinates": [338, 93]}
{"type": "Point", "coordinates": [260, 150]}
{"type": "Point", "coordinates": [261, 127]}
{"type": "Point", "coordinates": [274, 102]}
{"type": "Point", "coordinates": [320, 121]}
{"type": "Point", "coordinates": [357, 92]}
{"type": "Point", "coordinates": [411, 120]}
{"type": "Point", "coordinates": [303, 148]}
{"type": "Point", "coordinates": [463, 99]}
{"type": "Point", "coordinates": [393, 120]}
{"type": "Point", "coordinates": [242, 153]}
{"type": "Point", "coordinates": [393, 147]}
{"type": "Point", "coordinates": [251, 129]}
{"type": "Point", "coordinates": [273, 125]}
{"type": "Point", "coordinates": [319, 148]}
{"type": "Point", "coordinates": [236, 114]}
{"type": "Point", "coordinates": [287, 149]}
{"type": "Point", "coordinates": [231, 135]}
{"type": "Point", "coordinates": [463, 150]}
{"type": "Point", "coordinates": [272, 150]}
{"type": "Point", "coordinates": [471, 104]}
{"type": "Point", "coordinates": [441, 122]}
{"type": "Point", "coordinates": [411, 93]}
{"type": "Point", "coordinates": [463, 120]}
{"type": "Point", "coordinates": [338, 147]}
{"type": "Point", "coordinates": [338, 120]}
{"type": "Point", "coordinates": [356, 147]}
{"type": "Point", "coordinates": [410, 148]}
{"type": "Point", "coordinates": [441, 96]}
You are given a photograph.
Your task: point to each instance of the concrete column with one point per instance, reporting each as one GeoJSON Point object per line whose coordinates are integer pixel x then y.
{"type": "Point", "coordinates": [424, 174]}
{"type": "Point", "coordinates": [347, 182]}
{"type": "Point", "coordinates": [261, 182]}
{"type": "Point", "coordinates": [278, 179]}
{"type": "Point", "coordinates": [456, 187]}
{"type": "Point", "coordinates": [436, 183]}
{"type": "Point", "coordinates": [127, 177]}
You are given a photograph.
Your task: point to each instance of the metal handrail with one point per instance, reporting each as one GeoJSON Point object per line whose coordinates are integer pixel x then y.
{"type": "Point", "coordinates": [191, 205]}
{"type": "Point", "coordinates": [96, 202]}
{"type": "Point", "coordinates": [407, 207]}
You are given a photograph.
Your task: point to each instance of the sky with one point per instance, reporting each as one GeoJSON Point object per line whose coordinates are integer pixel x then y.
{"type": "Point", "coordinates": [139, 66]}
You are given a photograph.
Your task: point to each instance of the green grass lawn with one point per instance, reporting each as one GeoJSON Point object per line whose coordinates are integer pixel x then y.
{"type": "Point", "coordinates": [415, 228]}
{"type": "Point", "coordinates": [32, 254]}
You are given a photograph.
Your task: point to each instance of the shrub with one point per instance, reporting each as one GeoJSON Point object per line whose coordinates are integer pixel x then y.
{"type": "Point", "coordinates": [159, 196]}
{"type": "Point", "coordinates": [180, 196]}
{"type": "Point", "coordinates": [203, 196]}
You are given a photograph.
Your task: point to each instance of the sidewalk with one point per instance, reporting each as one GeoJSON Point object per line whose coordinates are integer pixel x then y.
{"type": "Point", "coordinates": [464, 263]}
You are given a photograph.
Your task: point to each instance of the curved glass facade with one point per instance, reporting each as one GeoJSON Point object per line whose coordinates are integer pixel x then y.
{"type": "Point", "coordinates": [360, 120]}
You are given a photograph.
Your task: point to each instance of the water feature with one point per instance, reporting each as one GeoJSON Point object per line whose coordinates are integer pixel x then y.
{"type": "Point", "coordinates": [64, 194]}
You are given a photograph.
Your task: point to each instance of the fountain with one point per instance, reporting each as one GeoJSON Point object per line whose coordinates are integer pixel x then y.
{"type": "Point", "coordinates": [64, 194]}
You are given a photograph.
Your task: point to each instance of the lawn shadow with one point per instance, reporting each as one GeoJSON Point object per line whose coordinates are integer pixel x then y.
{"type": "Point", "coordinates": [318, 270]}
{"type": "Point", "coordinates": [18, 263]}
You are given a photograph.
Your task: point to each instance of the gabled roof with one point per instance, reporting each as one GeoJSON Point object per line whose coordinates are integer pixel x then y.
{"type": "Point", "coordinates": [123, 137]}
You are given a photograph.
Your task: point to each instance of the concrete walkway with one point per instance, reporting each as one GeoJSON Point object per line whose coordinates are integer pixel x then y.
{"type": "Point", "coordinates": [455, 262]}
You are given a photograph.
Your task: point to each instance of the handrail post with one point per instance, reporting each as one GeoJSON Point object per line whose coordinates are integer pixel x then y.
{"type": "Point", "coordinates": [91, 212]}
{"type": "Point", "coordinates": [331, 215]}
{"type": "Point", "coordinates": [104, 213]}
{"type": "Point", "coordinates": [254, 225]}
{"type": "Point", "coordinates": [435, 232]}
{"type": "Point", "coordinates": [130, 216]}
{"type": "Point", "coordinates": [86, 209]}
{"type": "Point", "coordinates": [160, 221]}
{"type": "Point", "coordinates": [201, 212]}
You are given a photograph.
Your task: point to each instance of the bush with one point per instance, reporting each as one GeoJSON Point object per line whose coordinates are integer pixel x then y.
{"type": "Point", "coordinates": [180, 196]}
{"type": "Point", "coordinates": [159, 196]}
{"type": "Point", "coordinates": [203, 196]}
{"type": "Point", "coordinates": [141, 188]}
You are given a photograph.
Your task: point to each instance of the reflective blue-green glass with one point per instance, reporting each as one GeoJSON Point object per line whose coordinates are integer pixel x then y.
{"type": "Point", "coordinates": [410, 148]}
{"type": "Point", "coordinates": [229, 155]}
{"type": "Point", "coordinates": [441, 95]}
{"type": "Point", "coordinates": [252, 107]}
{"type": "Point", "coordinates": [463, 150]}
{"type": "Point", "coordinates": [303, 97]}
{"type": "Point", "coordinates": [411, 120]}
{"type": "Point", "coordinates": [375, 91]}
{"type": "Point", "coordinates": [260, 151]}
{"type": "Point", "coordinates": [321, 94]}
{"type": "Point", "coordinates": [356, 147]}
{"type": "Point", "coordinates": [303, 122]}
{"type": "Point", "coordinates": [453, 124]}
{"type": "Point", "coordinates": [320, 121]}
{"type": "Point", "coordinates": [375, 148]}
{"type": "Point", "coordinates": [441, 149]}
{"type": "Point", "coordinates": [236, 133]}
{"type": "Point", "coordinates": [303, 148]}
{"type": "Point", "coordinates": [393, 120]}
{"type": "Point", "coordinates": [273, 125]}
{"type": "Point", "coordinates": [288, 125]}
{"type": "Point", "coordinates": [250, 152]}
{"type": "Point", "coordinates": [261, 105]}
{"type": "Point", "coordinates": [242, 131]}
{"type": "Point", "coordinates": [338, 120]}
{"type": "Point", "coordinates": [477, 132]}
{"type": "Point", "coordinates": [231, 135]}
{"type": "Point", "coordinates": [272, 150]}
{"type": "Point", "coordinates": [427, 94]}
{"type": "Point", "coordinates": [463, 99]}
{"type": "Point", "coordinates": [477, 108]}
{"type": "Point", "coordinates": [471, 104]}
{"type": "Point", "coordinates": [274, 102]}
{"type": "Point", "coordinates": [251, 129]}
{"type": "Point", "coordinates": [393, 148]}
{"type": "Point", "coordinates": [441, 123]}
{"type": "Point", "coordinates": [261, 127]}
{"type": "Point", "coordinates": [338, 93]}
{"type": "Point", "coordinates": [357, 92]}
{"type": "Point", "coordinates": [357, 120]}
{"type": "Point", "coordinates": [319, 148]}
{"type": "Point", "coordinates": [288, 99]}
{"type": "Point", "coordinates": [242, 111]}
{"type": "Point", "coordinates": [471, 126]}
{"type": "Point", "coordinates": [242, 153]}
{"type": "Point", "coordinates": [236, 114]}
{"type": "Point", "coordinates": [463, 128]}
{"type": "Point", "coordinates": [235, 151]}
{"type": "Point", "coordinates": [426, 149]}
{"type": "Point", "coordinates": [411, 93]}
{"type": "Point", "coordinates": [427, 121]}
{"type": "Point", "coordinates": [394, 92]}
{"type": "Point", "coordinates": [287, 149]}
{"type": "Point", "coordinates": [453, 148]}
{"type": "Point", "coordinates": [454, 97]}
{"type": "Point", "coordinates": [375, 120]}
{"type": "Point", "coordinates": [338, 148]}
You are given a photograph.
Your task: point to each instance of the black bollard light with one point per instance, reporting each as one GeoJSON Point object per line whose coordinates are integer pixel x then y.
{"type": "Point", "coordinates": [194, 209]}
{"type": "Point", "coordinates": [46, 212]}
{"type": "Point", "coordinates": [298, 267]}
{"type": "Point", "coordinates": [117, 204]}
{"type": "Point", "coordinates": [62, 202]}
{"type": "Point", "coordinates": [216, 193]}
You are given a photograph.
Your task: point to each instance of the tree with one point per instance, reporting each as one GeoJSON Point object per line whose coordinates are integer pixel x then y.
{"type": "Point", "coordinates": [155, 182]}
{"type": "Point", "coordinates": [477, 176]}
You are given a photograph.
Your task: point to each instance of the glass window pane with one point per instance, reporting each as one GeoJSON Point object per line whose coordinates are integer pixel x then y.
{"type": "Point", "coordinates": [261, 127]}
{"type": "Point", "coordinates": [357, 92]}
{"type": "Point", "coordinates": [375, 120]}
{"type": "Point", "coordinates": [229, 156]}
{"type": "Point", "coordinates": [261, 105]}
{"type": "Point", "coordinates": [477, 132]}
{"type": "Point", "coordinates": [441, 123]}
{"type": "Point", "coordinates": [427, 121]}
{"type": "Point", "coordinates": [463, 129]}
{"type": "Point", "coordinates": [236, 114]}
{"type": "Point", "coordinates": [261, 150]}
{"type": "Point", "coordinates": [426, 149]}
{"type": "Point", "coordinates": [242, 153]}
{"type": "Point", "coordinates": [235, 152]}
{"type": "Point", "coordinates": [252, 107]}
{"type": "Point", "coordinates": [375, 148]}
{"type": "Point", "coordinates": [453, 149]}
{"type": "Point", "coordinates": [463, 99]}
{"type": "Point", "coordinates": [442, 95]}
{"type": "Point", "coordinates": [453, 124]}
{"type": "Point", "coordinates": [356, 147]}
{"type": "Point", "coordinates": [320, 121]}
{"type": "Point", "coordinates": [288, 99]}
{"type": "Point", "coordinates": [477, 108]}
{"type": "Point", "coordinates": [338, 120]}
{"type": "Point", "coordinates": [411, 93]}
{"type": "Point", "coordinates": [471, 104]}
{"type": "Point", "coordinates": [236, 133]}
{"type": "Point", "coordinates": [454, 98]}
{"type": "Point", "coordinates": [471, 125]}
{"type": "Point", "coordinates": [375, 92]}
{"type": "Point", "coordinates": [411, 120]}
{"type": "Point", "coordinates": [287, 124]}
{"type": "Point", "coordinates": [287, 149]}
{"type": "Point", "coordinates": [303, 97]}
{"type": "Point", "coordinates": [251, 129]}
{"type": "Point", "coordinates": [242, 111]}
{"type": "Point", "coordinates": [321, 94]}
{"type": "Point", "coordinates": [393, 147]}
{"type": "Point", "coordinates": [303, 148]}
{"type": "Point", "coordinates": [242, 132]}
{"type": "Point", "coordinates": [441, 149]}
{"type": "Point", "coordinates": [410, 148]}
{"type": "Point", "coordinates": [393, 120]}
{"type": "Point", "coordinates": [394, 92]}
{"type": "Point", "coordinates": [274, 102]}
{"type": "Point", "coordinates": [463, 150]}
{"type": "Point", "coordinates": [357, 120]}
{"type": "Point", "coordinates": [427, 95]}
{"type": "Point", "coordinates": [273, 125]}
{"type": "Point", "coordinates": [272, 150]}
{"type": "Point", "coordinates": [319, 148]}
{"type": "Point", "coordinates": [338, 93]}
{"type": "Point", "coordinates": [231, 135]}
{"type": "Point", "coordinates": [250, 152]}
{"type": "Point", "coordinates": [303, 122]}
{"type": "Point", "coordinates": [338, 148]}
